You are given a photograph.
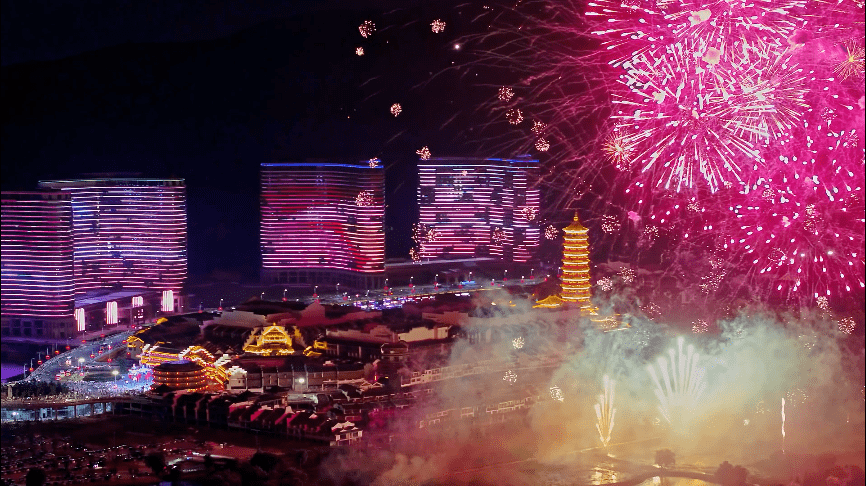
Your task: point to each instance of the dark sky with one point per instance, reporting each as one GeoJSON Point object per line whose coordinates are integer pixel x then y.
{"type": "Point", "coordinates": [209, 90]}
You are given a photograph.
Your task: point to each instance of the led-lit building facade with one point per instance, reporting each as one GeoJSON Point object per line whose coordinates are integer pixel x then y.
{"type": "Point", "coordinates": [37, 288]}
{"type": "Point", "coordinates": [128, 233]}
{"type": "Point", "coordinates": [323, 224]}
{"type": "Point", "coordinates": [478, 207]}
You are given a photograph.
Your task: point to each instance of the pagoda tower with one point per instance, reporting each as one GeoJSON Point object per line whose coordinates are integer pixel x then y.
{"type": "Point", "coordinates": [575, 279]}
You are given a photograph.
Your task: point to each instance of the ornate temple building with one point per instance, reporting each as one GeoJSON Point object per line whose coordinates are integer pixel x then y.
{"type": "Point", "coordinates": [576, 284]}
{"type": "Point", "coordinates": [272, 340]}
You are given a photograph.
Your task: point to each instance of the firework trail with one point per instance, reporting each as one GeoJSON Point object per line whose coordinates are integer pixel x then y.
{"type": "Point", "coordinates": [605, 412]}
{"type": "Point", "coordinates": [683, 383]}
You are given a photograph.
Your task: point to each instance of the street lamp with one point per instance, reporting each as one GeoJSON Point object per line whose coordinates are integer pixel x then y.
{"type": "Point", "coordinates": [221, 304]}
{"type": "Point", "coordinates": [262, 297]}
{"type": "Point", "coordinates": [284, 294]}
{"type": "Point", "coordinates": [436, 282]}
{"type": "Point", "coordinates": [80, 362]}
{"type": "Point", "coordinates": [115, 373]}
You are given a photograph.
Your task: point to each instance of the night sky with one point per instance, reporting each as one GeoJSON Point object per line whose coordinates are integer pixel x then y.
{"type": "Point", "coordinates": [209, 90]}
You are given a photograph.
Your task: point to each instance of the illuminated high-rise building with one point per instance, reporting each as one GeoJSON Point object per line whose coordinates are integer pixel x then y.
{"type": "Point", "coordinates": [37, 293]}
{"type": "Point", "coordinates": [575, 278]}
{"type": "Point", "coordinates": [477, 207]}
{"type": "Point", "coordinates": [128, 233]}
{"type": "Point", "coordinates": [323, 223]}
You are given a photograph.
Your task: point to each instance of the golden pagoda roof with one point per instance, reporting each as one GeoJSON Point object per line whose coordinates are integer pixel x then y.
{"type": "Point", "coordinates": [550, 301]}
{"type": "Point", "coordinates": [273, 340]}
{"type": "Point", "coordinates": [575, 226]}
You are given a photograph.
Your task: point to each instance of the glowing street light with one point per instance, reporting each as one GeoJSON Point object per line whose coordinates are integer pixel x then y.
{"type": "Point", "coordinates": [262, 296]}
{"type": "Point", "coordinates": [221, 304]}
{"type": "Point", "coordinates": [284, 294]}
{"type": "Point", "coordinates": [115, 373]}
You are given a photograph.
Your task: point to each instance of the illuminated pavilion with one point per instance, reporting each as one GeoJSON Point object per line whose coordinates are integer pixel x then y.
{"type": "Point", "coordinates": [273, 340]}
{"type": "Point", "coordinates": [576, 285]}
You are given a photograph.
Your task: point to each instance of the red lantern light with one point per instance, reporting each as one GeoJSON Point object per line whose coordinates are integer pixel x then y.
{"type": "Point", "coordinates": [56, 351]}
{"type": "Point", "coordinates": [47, 357]}
{"type": "Point", "coordinates": [39, 362]}
{"type": "Point", "coordinates": [31, 370]}
{"type": "Point", "coordinates": [67, 347]}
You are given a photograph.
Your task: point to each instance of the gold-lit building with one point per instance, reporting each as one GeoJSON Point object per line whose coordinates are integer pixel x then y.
{"type": "Point", "coordinates": [180, 375]}
{"type": "Point", "coordinates": [575, 280]}
{"type": "Point", "coordinates": [273, 340]}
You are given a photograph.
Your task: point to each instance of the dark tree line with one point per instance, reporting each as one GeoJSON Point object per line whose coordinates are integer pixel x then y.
{"type": "Point", "coordinates": [35, 389]}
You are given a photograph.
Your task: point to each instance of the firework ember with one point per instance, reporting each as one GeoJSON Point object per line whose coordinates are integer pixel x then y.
{"type": "Point", "coordinates": [437, 26]}
{"type": "Point", "coordinates": [424, 153]}
{"type": "Point", "coordinates": [367, 28]}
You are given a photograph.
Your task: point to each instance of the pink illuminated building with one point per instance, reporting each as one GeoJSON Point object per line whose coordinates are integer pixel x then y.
{"type": "Point", "coordinates": [476, 207]}
{"type": "Point", "coordinates": [37, 293]}
{"type": "Point", "coordinates": [322, 223]}
{"type": "Point", "coordinates": [128, 233]}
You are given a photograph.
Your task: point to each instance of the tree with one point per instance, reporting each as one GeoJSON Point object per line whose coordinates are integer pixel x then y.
{"type": "Point", "coordinates": [155, 461]}
{"type": "Point", "coordinates": [265, 461]}
{"type": "Point", "coordinates": [35, 477]}
{"type": "Point", "coordinates": [665, 458]}
{"type": "Point", "coordinates": [728, 475]}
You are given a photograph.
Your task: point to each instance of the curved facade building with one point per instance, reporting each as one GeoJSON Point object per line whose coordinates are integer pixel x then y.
{"type": "Point", "coordinates": [478, 207]}
{"type": "Point", "coordinates": [128, 233]}
{"type": "Point", "coordinates": [180, 375]}
{"type": "Point", "coordinates": [36, 292]}
{"type": "Point", "coordinates": [323, 223]}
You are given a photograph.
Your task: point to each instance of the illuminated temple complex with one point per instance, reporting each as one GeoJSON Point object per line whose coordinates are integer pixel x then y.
{"type": "Point", "coordinates": [575, 279]}
{"type": "Point", "coordinates": [273, 340]}
{"type": "Point", "coordinates": [576, 286]}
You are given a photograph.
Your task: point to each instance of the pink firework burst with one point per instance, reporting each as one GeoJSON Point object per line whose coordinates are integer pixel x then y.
{"type": "Point", "coordinates": [364, 199]}
{"type": "Point", "coordinates": [551, 232]}
{"type": "Point", "coordinates": [437, 26]}
{"type": "Point", "coordinates": [847, 325]}
{"type": "Point", "coordinates": [396, 109]}
{"type": "Point", "coordinates": [514, 116]}
{"type": "Point", "coordinates": [736, 129]}
{"type": "Point", "coordinates": [424, 153]}
{"type": "Point", "coordinates": [505, 93]}
{"type": "Point", "coordinates": [367, 28]}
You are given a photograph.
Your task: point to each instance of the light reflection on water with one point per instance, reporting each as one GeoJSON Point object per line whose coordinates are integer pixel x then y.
{"type": "Point", "coordinates": [601, 475]}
